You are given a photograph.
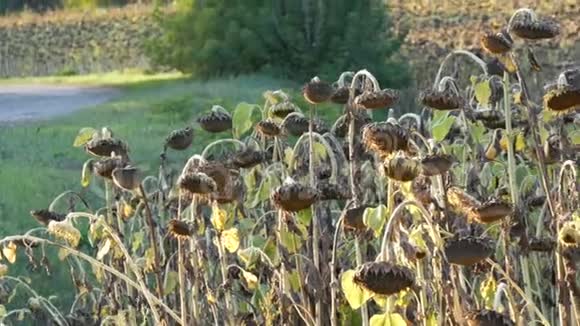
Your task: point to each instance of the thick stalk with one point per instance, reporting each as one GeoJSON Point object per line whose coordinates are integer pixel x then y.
{"type": "Point", "coordinates": [315, 222]}
{"type": "Point", "coordinates": [194, 263]}
{"type": "Point", "coordinates": [364, 311]}
{"type": "Point", "coordinates": [154, 242]}
{"type": "Point", "coordinates": [182, 284]}
{"type": "Point", "coordinates": [333, 278]}
{"type": "Point", "coordinates": [230, 313]}
{"type": "Point", "coordinates": [282, 274]}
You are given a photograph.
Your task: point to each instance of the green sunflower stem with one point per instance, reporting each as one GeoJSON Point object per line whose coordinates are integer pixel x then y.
{"type": "Point", "coordinates": [315, 222]}
{"type": "Point", "coordinates": [364, 311]}
{"type": "Point", "coordinates": [182, 283]}
{"type": "Point", "coordinates": [282, 275]}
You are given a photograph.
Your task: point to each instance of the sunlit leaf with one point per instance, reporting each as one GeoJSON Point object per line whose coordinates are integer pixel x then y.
{"type": "Point", "coordinates": [2, 311]}
{"type": "Point", "coordinates": [442, 126]}
{"type": "Point", "coordinates": [487, 289]}
{"type": "Point", "coordinates": [104, 250]}
{"type": "Point", "coordinates": [86, 173]}
{"type": "Point", "coordinates": [249, 256]}
{"type": "Point", "coordinates": [387, 319]}
{"type": "Point", "coordinates": [84, 136]}
{"type": "Point", "coordinates": [242, 118]}
{"type": "Point", "coordinates": [171, 281]}
{"type": "Point", "coordinates": [375, 218]}
{"type": "Point", "coordinates": [304, 216]}
{"type": "Point", "coordinates": [230, 239]}
{"type": "Point", "coordinates": [251, 280]}
{"type": "Point", "coordinates": [432, 319]}
{"type": "Point", "coordinates": [137, 240]}
{"type": "Point", "coordinates": [294, 280]}
{"type": "Point", "coordinates": [482, 90]}
{"type": "Point", "coordinates": [575, 137]}
{"type": "Point", "coordinates": [319, 152]}
{"type": "Point", "coordinates": [9, 252]}
{"type": "Point", "coordinates": [3, 270]}
{"type": "Point", "coordinates": [219, 218]}
{"type": "Point", "coordinates": [290, 241]}
{"type": "Point", "coordinates": [354, 294]}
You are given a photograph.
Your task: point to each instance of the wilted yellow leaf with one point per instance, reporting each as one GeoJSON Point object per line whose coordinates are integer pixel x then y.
{"type": "Point", "coordinates": [104, 250]}
{"type": "Point", "coordinates": [9, 251]}
{"type": "Point", "coordinates": [251, 280]}
{"type": "Point", "coordinates": [219, 218]}
{"type": "Point", "coordinates": [387, 319]}
{"type": "Point", "coordinates": [488, 289]}
{"type": "Point", "coordinates": [3, 270]}
{"type": "Point", "coordinates": [230, 239]}
{"type": "Point", "coordinates": [354, 294]}
{"type": "Point", "coordinates": [84, 136]}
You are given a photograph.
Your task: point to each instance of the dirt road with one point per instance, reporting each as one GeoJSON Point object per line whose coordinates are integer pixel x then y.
{"type": "Point", "coordinates": [20, 103]}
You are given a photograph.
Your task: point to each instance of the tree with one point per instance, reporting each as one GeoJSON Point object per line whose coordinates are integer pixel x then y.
{"type": "Point", "coordinates": [296, 39]}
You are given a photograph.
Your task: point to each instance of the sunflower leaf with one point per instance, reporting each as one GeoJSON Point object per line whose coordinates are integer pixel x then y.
{"type": "Point", "coordinates": [354, 294]}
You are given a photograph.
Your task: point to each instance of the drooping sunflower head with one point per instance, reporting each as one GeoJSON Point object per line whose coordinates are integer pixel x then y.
{"type": "Point", "coordinates": [268, 128]}
{"type": "Point", "coordinates": [283, 109]}
{"type": "Point", "coordinates": [180, 139]}
{"type": "Point", "coordinates": [384, 278]}
{"type": "Point", "coordinates": [377, 99]}
{"type": "Point", "coordinates": [128, 178]}
{"type": "Point", "coordinates": [179, 229]}
{"type": "Point", "coordinates": [468, 250]}
{"type": "Point", "coordinates": [197, 183]}
{"type": "Point", "coordinates": [317, 91]}
{"type": "Point", "coordinates": [44, 216]}
{"type": "Point", "coordinates": [443, 100]}
{"type": "Point", "coordinates": [217, 120]}
{"type": "Point", "coordinates": [436, 164]}
{"type": "Point", "coordinates": [105, 147]}
{"type": "Point", "coordinates": [401, 168]}
{"type": "Point", "coordinates": [293, 197]}
{"type": "Point", "coordinates": [385, 137]}
{"type": "Point", "coordinates": [491, 211]}
{"type": "Point", "coordinates": [496, 43]}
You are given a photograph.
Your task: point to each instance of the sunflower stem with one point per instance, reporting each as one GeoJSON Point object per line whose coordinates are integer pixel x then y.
{"type": "Point", "coordinates": [154, 242]}
{"type": "Point", "coordinates": [359, 261]}
{"type": "Point", "coordinates": [182, 284]}
{"type": "Point", "coordinates": [315, 222]}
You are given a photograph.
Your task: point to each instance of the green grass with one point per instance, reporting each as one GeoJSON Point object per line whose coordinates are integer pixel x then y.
{"type": "Point", "coordinates": [38, 161]}
{"type": "Point", "coordinates": [116, 78]}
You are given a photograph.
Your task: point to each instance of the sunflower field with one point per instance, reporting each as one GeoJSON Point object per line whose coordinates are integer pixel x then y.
{"type": "Point", "coordinates": [465, 214]}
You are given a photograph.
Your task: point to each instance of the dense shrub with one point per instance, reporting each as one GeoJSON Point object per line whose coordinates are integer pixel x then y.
{"type": "Point", "coordinates": [291, 38]}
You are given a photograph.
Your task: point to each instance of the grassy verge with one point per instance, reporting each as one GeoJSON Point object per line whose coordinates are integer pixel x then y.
{"type": "Point", "coordinates": [38, 161]}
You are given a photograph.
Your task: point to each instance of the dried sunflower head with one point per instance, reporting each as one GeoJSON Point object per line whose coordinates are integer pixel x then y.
{"type": "Point", "coordinates": [268, 128]}
{"type": "Point", "coordinates": [283, 109]}
{"type": "Point", "coordinates": [222, 177]}
{"type": "Point", "coordinates": [293, 197]}
{"type": "Point", "coordinates": [436, 164]}
{"type": "Point", "coordinates": [295, 125]}
{"type": "Point", "coordinates": [317, 91]}
{"type": "Point", "coordinates": [65, 230]}
{"type": "Point", "coordinates": [570, 234]}
{"type": "Point", "coordinates": [128, 178]}
{"type": "Point", "coordinates": [247, 158]}
{"type": "Point", "coordinates": [497, 43]}
{"type": "Point", "coordinates": [179, 229]}
{"type": "Point", "coordinates": [180, 139]}
{"type": "Point", "coordinates": [197, 183]}
{"type": "Point", "coordinates": [217, 120]}
{"type": "Point", "coordinates": [530, 29]}
{"type": "Point", "coordinates": [341, 125]}
{"type": "Point", "coordinates": [384, 278]}
{"type": "Point", "coordinates": [385, 137]}
{"type": "Point", "coordinates": [340, 95]}
{"type": "Point", "coordinates": [105, 167]}
{"type": "Point", "coordinates": [562, 100]}
{"type": "Point", "coordinates": [44, 216]}
{"type": "Point", "coordinates": [353, 218]}
{"type": "Point", "coordinates": [401, 169]}
{"type": "Point", "coordinates": [488, 318]}
{"type": "Point", "coordinates": [461, 201]}
{"type": "Point", "coordinates": [441, 100]}
{"type": "Point", "coordinates": [468, 250]}
{"type": "Point", "coordinates": [378, 100]}
{"type": "Point", "coordinates": [492, 211]}
{"type": "Point", "coordinates": [106, 146]}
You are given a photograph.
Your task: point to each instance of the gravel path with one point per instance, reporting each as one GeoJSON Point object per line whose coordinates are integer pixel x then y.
{"type": "Point", "coordinates": [19, 103]}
